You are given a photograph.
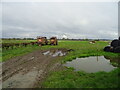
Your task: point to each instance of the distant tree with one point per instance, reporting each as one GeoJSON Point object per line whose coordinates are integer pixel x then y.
{"type": "Point", "coordinates": [24, 39]}
{"type": "Point", "coordinates": [97, 40]}
{"type": "Point", "coordinates": [63, 38]}
{"type": "Point", "coordinates": [86, 39]}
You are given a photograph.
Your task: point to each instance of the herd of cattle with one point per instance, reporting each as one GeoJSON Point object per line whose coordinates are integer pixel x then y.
{"type": "Point", "coordinates": [15, 45]}
{"type": "Point", "coordinates": [40, 42]}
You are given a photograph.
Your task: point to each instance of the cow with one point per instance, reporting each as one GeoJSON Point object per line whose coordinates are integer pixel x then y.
{"type": "Point", "coordinates": [92, 42]}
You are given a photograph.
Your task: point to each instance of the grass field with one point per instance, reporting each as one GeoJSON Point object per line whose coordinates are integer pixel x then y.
{"type": "Point", "coordinates": [69, 78]}
{"type": "Point", "coordinates": [82, 49]}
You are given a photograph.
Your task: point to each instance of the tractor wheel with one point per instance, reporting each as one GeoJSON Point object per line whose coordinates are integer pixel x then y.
{"type": "Point", "coordinates": [117, 49]}
{"type": "Point", "coordinates": [108, 49]}
{"type": "Point", "coordinates": [45, 43]}
{"type": "Point", "coordinates": [56, 43]}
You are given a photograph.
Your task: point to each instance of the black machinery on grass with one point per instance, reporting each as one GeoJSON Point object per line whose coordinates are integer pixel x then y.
{"type": "Point", "coordinates": [114, 46]}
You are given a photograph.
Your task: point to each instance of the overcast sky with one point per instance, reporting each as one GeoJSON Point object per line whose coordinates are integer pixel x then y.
{"type": "Point", "coordinates": [70, 19]}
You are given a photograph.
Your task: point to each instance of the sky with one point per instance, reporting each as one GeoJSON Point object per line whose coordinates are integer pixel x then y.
{"type": "Point", "coordinates": [95, 20]}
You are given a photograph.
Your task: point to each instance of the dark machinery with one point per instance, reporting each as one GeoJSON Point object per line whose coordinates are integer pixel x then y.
{"type": "Point", "coordinates": [114, 46]}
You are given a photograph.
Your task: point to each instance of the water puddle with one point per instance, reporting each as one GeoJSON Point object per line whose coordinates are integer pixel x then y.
{"type": "Point", "coordinates": [55, 53]}
{"type": "Point", "coordinates": [58, 53]}
{"type": "Point", "coordinates": [91, 64]}
{"type": "Point", "coordinates": [45, 53]}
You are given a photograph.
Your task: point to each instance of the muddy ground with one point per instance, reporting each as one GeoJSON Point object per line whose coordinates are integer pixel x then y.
{"type": "Point", "coordinates": [30, 70]}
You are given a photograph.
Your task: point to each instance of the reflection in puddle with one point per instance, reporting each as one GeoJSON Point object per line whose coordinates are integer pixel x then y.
{"type": "Point", "coordinates": [59, 53]}
{"type": "Point", "coordinates": [91, 64]}
{"type": "Point", "coordinates": [45, 53]}
{"type": "Point", "coordinates": [55, 53]}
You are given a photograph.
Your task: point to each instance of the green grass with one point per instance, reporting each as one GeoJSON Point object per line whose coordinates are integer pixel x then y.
{"type": "Point", "coordinates": [72, 79]}
{"type": "Point", "coordinates": [8, 54]}
{"type": "Point", "coordinates": [69, 78]}
{"type": "Point", "coordinates": [82, 49]}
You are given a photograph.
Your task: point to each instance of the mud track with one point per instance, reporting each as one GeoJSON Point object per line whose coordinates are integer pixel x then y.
{"type": "Point", "coordinates": [30, 70]}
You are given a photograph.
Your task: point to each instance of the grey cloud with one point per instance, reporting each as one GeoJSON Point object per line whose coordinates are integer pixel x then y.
{"type": "Point", "coordinates": [76, 20]}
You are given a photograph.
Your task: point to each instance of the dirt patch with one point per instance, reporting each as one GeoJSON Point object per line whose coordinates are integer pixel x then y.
{"type": "Point", "coordinates": [26, 71]}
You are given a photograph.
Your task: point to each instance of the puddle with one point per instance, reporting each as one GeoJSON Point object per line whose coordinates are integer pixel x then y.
{"type": "Point", "coordinates": [55, 53]}
{"type": "Point", "coordinates": [58, 53]}
{"type": "Point", "coordinates": [91, 64]}
{"type": "Point", "coordinates": [45, 53]}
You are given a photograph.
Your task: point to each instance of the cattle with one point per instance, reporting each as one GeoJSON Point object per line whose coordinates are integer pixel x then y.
{"type": "Point", "coordinates": [7, 45]}
{"type": "Point", "coordinates": [17, 44]}
{"type": "Point", "coordinates": [92, 42]}
{"type": "Point", "coordinates": [53, 41]}
{"type": "Point", "coordinates": [25, 44]}
{"type": "Point", "coordinates": [33, 43]}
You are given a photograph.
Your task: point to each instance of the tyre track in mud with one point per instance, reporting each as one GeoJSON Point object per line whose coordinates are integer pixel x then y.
{"type": "Point", "coordinates": [29, 70]}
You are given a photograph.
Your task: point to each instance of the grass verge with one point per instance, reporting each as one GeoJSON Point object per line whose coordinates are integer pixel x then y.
{"type": "Point", "coordinates": [71, 79]}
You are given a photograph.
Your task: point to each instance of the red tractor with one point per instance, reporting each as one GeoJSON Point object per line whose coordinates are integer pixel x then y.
{"type": "Point", "coordinates": [53, 41]}
{"type": "Point", "coordinates": [42, 41]}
